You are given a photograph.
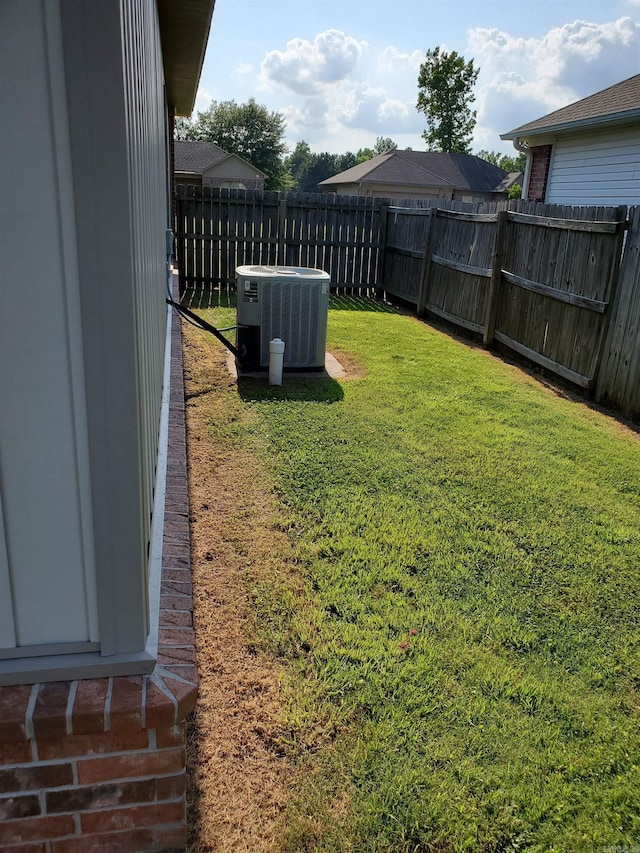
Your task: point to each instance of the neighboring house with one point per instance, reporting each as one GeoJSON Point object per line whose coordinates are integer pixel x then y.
{"type": "Point", "coordinates": [94, 694]}
{"type": "Point", "coordinates": [205, 164]}
{"type": "Point", "coordinates": [423, 174]}
{"type": "Point", "coordinates": [587, 152]}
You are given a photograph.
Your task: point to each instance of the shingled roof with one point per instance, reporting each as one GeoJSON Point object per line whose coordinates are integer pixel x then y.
{"type": "Point", "coordinates": [195, 158]}
{"type": "Point", "coordinates": [425, 169]}
{"type": "Point", "coordinates": [614, 105]}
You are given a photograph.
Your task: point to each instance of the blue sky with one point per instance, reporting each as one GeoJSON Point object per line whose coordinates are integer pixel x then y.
{"type": "Point", "coordinates": [343, 73]}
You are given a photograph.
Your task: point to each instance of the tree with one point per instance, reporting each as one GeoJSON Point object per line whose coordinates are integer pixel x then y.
{"type": "Point", "coordinates": [298, 163]}
{"type": "Point", "coordinates": [514, 191]}
{"type": "Point", "coordinates": [183, 129]}
{"type": "Point", "coordinates": [307, 169]}
{"type": "Point", "coordinates": [445, 94]}
{"type": "Point", "coordinates": [384, 144]}
{"type": "Point", "coordinates": [504, 161]}
{"type": "Point", "coordinates": [248, 130]}
{"type": "Point", "coordinates": [364, 154]}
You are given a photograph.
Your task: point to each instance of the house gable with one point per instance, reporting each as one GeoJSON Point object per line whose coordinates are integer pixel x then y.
{"type": "Point", "coordinates": [233, 167]}
{"type": "Point", "coordinates": [206, 164]}
{"type": "Point", "coordinates": [422, 174]}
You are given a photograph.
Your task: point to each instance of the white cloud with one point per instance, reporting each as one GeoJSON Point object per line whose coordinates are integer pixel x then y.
{"type": "Point", "coordinates": [392, 59]}
{"type": "Point", "coordinates": [568, 63]}
{"type": "Point", "coordinates": [203, 101]}
{"type": "Point", "coordinates": [371, 109]}
{"type": "Point", "coordinates": [305, 67]}
{"type": "Point", "coordinates": [338, 92]}
{"type": "Point", "coordinates": [304, 121]}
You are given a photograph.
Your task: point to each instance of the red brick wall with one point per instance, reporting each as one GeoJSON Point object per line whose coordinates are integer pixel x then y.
{"type": "Point", "coordinates": [540, 160]}
{"type": "Point", "coordinates": [99, 764]}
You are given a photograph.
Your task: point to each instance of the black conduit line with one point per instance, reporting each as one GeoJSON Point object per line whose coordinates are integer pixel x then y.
{"type": "Point", "coordinates": [207, 327]}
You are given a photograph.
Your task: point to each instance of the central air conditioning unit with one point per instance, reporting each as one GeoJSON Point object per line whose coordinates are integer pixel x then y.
{"type": "Point", "coordinates": [290, 303]}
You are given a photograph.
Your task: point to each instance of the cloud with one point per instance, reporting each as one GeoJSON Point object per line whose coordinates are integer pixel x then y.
{"type": "Point", "coordinates": [370, 108]}
{"type": "Point", "coordinates": [392, 59]}
{"type": "Point", "coordinates": [567, 64]}
{"type": "Point", "coordinates": [304, 67]}
{"type": "Point", "coordinates": [203, 101]}
{"type": "Point", "coordinates": [243, 68]}
{"type": "Point", "coordinates": [306, 119]}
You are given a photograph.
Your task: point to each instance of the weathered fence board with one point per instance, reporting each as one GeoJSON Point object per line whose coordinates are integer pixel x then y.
{"type": "Point", "coordinates": [619, 375]}
{"type": "Point", "coordinates": [459, 267]}
{"type": "Point", "coordinates": [556, 283]}
{"type": "Point", "coordinates": [403, 252]}
{"type": "Point", "coordinates": [218, 230]}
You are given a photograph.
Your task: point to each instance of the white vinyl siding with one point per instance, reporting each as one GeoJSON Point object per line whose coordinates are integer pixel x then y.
{"type": "Point", "coordinates": [47, 573]}
{"type": "Point", "coordinates": [82, 334]}
{"type": "Point", "coordinates": [119, 148]}
{"type": "Point", "coordinates": [596, 168]}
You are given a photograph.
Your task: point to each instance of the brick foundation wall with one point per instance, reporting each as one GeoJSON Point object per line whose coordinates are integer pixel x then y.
{"type": "Point", "coordinates": [99, 764]}
{"type": "Point", "coordinates": [540, 161]}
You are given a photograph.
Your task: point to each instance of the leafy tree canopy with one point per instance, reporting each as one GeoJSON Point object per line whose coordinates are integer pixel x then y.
{"type": "Point", "coordinates": [384, 144]}
{"type": "Point", "coordinates": [308, 169]}
{"type": "Point", "coordinates": [509, 163]}
{"type": "Point", "coordinates": [248, 130]}
{"type": "Point", "coordinates": [445, 95]}
{"type": "Point", "coordinates": [364, 154]}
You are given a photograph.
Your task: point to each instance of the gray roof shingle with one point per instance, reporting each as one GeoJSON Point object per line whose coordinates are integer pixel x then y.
{"type": "Point", "coordinates": [196, 157]}
{"type": "Point", "coordinates": [425, 169]}
{"type": "Point", "coordinates": [617, 103]}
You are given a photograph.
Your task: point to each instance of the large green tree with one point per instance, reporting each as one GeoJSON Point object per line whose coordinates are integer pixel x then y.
{"type": "Point", "coordinates": [248, 130]}
{"type": "Point", "coordinates": [445, 95]}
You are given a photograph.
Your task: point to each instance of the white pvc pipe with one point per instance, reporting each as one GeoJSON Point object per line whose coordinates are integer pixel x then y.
{"type": "Point", "coordinates": [276, 360]}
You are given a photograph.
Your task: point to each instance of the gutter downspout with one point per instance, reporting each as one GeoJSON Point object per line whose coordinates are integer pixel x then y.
{"type": "Point", "coordinates": [527, 169]}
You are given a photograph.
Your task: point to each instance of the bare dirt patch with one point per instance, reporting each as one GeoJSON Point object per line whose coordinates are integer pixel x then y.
{"type": "Point", "coordinates": [237, 770]}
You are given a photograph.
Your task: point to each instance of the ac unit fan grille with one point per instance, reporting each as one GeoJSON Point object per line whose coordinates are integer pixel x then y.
{"type": "Point", "coordinates": [289, 310]}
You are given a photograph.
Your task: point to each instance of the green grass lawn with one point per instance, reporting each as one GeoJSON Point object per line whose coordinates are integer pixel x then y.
{"type": "Point", "coordinates": [461, 651]}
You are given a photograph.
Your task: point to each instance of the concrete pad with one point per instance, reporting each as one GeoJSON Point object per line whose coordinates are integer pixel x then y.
{"type": "Point", "coordinates": [332, 369]}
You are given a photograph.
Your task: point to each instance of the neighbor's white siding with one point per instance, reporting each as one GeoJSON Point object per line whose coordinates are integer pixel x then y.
{"type": "Point", "coordinates": [47, 578]}
{"type": "Point", "coordinates": [596, 168]}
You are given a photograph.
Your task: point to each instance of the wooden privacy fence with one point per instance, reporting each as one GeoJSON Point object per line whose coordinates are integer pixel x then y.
{"type": "Point", "coordinates": [550, 282]}
{"type": "Point", "coordinates": [218, 230]}
{"type": "Point", "coordinates": [536, 278]}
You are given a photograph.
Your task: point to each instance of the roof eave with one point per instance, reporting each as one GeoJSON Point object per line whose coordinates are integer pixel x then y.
{"type": "Point", "coordinates": [184, 31]}
{"type": "Point", "coordinates": [598, 121]}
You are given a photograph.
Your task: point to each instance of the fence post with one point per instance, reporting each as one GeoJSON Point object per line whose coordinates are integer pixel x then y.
{"type": "Point", "coordinates": [282, 217]}
{"type": "Point", "coordinates": [493, 294]}
{"type": "Point", "coordinates": [382, 248]}
{"type": "Point", "coordinates": [426, 261]}
{"type": "Point", "coordinates": [622, 309]}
